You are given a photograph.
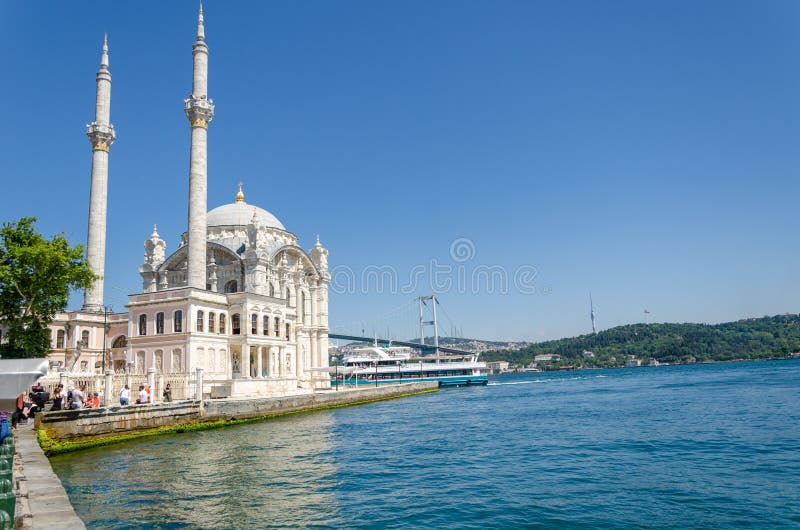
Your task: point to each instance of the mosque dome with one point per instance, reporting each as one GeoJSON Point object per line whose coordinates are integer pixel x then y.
{"type": "Point", "coordinates": [240, 213]}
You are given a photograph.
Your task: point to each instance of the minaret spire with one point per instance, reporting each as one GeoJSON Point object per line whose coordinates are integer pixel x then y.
{"type": "Point", "coordinates": [101, 134]}
{"type": "Point", "coordinates": [200, 111]}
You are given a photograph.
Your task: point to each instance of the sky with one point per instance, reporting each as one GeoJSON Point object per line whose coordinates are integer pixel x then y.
{"type": "Point", "coordinates": [510, 156]}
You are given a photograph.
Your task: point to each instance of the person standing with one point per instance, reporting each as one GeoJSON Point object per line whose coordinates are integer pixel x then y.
{"type": "Point", "coordinates": [76, 401]}
{"type": "Point", "coordinates": [125, 395]}
{"type": "Point", "coordinates": [167, 393]}
{"type": "Point", "coordinates": [58, 398]}
{"type": "Point", "coordinates": [142, 396]}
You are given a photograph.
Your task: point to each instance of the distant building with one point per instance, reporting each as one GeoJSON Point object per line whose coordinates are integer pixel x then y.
{"type": "Point", "coordinates": [632, 363]}
{"type": "Point", "coordinates": [497, 367]}
{"type": "Point", "coordinates": [547, 358]}
{"type": "Point", "coordinates": [588, 354]}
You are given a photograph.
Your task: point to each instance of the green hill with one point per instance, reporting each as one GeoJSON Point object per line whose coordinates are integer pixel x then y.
{"type": "Point", "coordinates": [759, 338]}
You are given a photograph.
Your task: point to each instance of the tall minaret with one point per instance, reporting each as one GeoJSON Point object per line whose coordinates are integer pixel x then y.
{"type": "Point", "coordinates": [101, 134]}
{"type": "Point", "coordinates": [200, 110]}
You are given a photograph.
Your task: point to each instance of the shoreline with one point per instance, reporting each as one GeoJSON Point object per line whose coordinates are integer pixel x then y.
{"type": "Point", "coordinates": [53, 436]}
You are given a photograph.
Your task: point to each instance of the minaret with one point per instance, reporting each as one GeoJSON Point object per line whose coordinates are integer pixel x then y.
{"type": "Point", "coordinates": [101, 135]}
{"type": "Point", "coordinates": [200, 111]}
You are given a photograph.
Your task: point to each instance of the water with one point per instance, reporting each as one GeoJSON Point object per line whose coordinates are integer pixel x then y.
{"type": "Point", "coordinates": [706, 446]}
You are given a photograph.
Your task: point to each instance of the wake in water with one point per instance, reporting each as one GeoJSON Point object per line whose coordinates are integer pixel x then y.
{"type": "Point", "coordinates": [554, 380]}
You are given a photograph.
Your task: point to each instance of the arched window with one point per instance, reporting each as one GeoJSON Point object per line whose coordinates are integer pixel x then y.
{"type": "Point", "coordinates": [235, 324]}
{"type": "Point", "coordinates": [287, 294]}
{"type": "Point", "coordinates": [85, 338]}
{"type": "Point", "coordinates": [277, 327]}
{"type": "Point", "coordinates": [177, 321]}
{"type": "Point", "coordinates": [288, 330]}
{"type": "Point", "coordinates": [254, 324]}
{"type": "Point", "coordinates": [159, 323]}
{"type": "Point", "coordinates": [200, 318]}
{"type": "Point", "coordinates": [211, 322]}
{"type": "Point", "coordinates": [222, 323]}
{"type": "Point", "coordinates": [231, 287]}
{"type": "Point", "coordinates": [271, 289]}
{"type": "Point", "coordinates": [265, 325]}
{"type": "Point", "coordinates": [120, 342]}
{"type": "Point", "coordinates": [60, 338]}
{"type": "Point", "coordinates": [142, 324]}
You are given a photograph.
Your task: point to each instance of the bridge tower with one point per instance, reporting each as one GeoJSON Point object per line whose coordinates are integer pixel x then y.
{"type": "Point", "coordinates": [434, 322]}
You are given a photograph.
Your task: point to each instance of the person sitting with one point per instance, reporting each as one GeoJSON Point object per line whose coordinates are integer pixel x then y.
{"type": "Point", "coordinates": [76, 400]}
{"type": "Point", "coordinates": [58, 398]}
{"type": "Point", "coordinates": [94, 401]}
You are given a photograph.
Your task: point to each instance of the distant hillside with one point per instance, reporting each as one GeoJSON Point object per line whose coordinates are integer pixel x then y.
{"type": "Point", "coordinates": [759, 338]}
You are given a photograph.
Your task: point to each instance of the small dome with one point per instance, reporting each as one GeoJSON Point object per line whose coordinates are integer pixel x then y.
{"type": "Point", "coordinates": [240, 213]}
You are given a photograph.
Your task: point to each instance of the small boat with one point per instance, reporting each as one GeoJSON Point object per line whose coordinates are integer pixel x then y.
{"type": "Point", "coordinates": [375, 366]}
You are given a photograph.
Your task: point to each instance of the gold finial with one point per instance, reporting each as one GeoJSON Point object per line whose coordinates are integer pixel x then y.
{"type": "Point", "coordinates": [240, 195]}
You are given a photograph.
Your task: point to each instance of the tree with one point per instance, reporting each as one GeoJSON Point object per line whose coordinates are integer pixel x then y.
{"type": "Point", "coordinates": [36, 276]}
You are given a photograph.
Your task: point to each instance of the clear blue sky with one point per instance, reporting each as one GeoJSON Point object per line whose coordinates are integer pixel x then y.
{"type": "Point", "coordinates": [647, 152]}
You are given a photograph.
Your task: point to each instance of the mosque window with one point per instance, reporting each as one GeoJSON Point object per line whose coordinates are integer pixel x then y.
{"type": "Point", "coordinates": [142, 324]}
{"type": "Point", "coordinates": [177, 321]}
{"type": "Point", "coordinates": [159, 323]}
{"type": "Point", "coordinates": [277, 327]}
{"type": "Point", "coordinates": [288, 330]}
{"type": "Point", "coordinates": [302, 313]}
{"type": "Point", "coordinates": [287, 294]}
{"type": "Point", "coordinates": [231, 287]}
{"type": "Point", "coordinates": [265, 323]}
{"type": "Point", "coordinates": [85, 338]}
{"type": "Point", "coordinates": [60, 338]}
{"type": "Point", "coordinates": [200, 318]}
{"type": "Point", "coordinates": [235, 324]}
{"type": "Point", "coordinates": [271, 289]}
{"type": "Point", "coordinates": [254, 324]}
{"type": "Point", "coordinates": [222, 323]}
{"type": "Point", "coordinates": [211, 318]}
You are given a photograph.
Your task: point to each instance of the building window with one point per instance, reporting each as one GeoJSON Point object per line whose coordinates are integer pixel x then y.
{"type": "Point", "coordinates": [177, 321]}
{"type": "Point", "coordinates": [277, 327]}
{"type": "Point", "coordinates": [302, 312]}
{"type": "Point", "coordinates": [159, 323]}
{"type": "Point", "coordinates": [231, 287]}
{"type": "Point", "coordinates": [85, 338]}
{"type": "Point", "coordinates": [287, 294]}
{"type": "Point", "coordinates": [288, 329]}
{"type": "Point", "coordinates": [235, 324]}
{"type": "Point", "coordinates": [222, 323]}
{"type": "Point", "coordinates": [60, 338]}
{"type": "Point", "coordinates": [211, 318]}
{"type": "Point", "coordinates": [254, 324]}
{"type": "Point", "coordinates": [142, 324]}
{"type": "Point", "coordinates": [200, 317]}
{"type": "Point", "coordinates": [271, 289]}
{"type": "Point", "coordinates": [265, 322]}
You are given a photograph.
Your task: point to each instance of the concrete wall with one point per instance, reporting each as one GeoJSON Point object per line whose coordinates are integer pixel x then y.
{"type": "Point", "coordinates": [86, 424]}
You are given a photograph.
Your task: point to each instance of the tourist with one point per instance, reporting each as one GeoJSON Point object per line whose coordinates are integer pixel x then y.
{"type": "Point", "coordinates": [19, 414]}
{"type": "Point", "coordinates": [125, 395]}
{"type": "Point", "coordinates": [167, 393]}
{"type": "Point", "coordinates": [142, 396]}
{"type": "Point", "coordinates": [94, 401]}
{"type": "Point", "coordinates": [76, 399]}
{"type": "Point", "coordinates": [149, 395]}
{"type": "Point", "coordinates": [58, 398]}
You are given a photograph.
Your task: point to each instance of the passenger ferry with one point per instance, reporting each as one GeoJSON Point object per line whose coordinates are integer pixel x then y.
{"type": "Point", "coordinates": [374, 366]}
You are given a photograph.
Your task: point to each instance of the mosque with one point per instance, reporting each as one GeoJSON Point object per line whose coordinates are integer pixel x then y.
{"type": "Point", "coordinates": [239, 298]}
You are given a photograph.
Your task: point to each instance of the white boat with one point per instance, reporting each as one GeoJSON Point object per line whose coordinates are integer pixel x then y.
{"type": "Point", "coordinates": [374, 366]}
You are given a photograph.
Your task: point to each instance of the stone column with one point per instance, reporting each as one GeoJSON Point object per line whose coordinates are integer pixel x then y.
{"type": "Point", "coordinates": [259, 365]}
{"type": "Point", "coordinates": [198, 392]}
{"type": "Point", "coordinates": [109, 390]}
{"type": "Point", "coordinates": [64, 380]}
{"type": "Point", "coordinates": [245, 360]}
{"type": "Point", "coordinates": [151, 382]}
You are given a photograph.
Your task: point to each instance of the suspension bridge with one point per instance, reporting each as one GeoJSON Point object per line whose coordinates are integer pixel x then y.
{"type": "Point", "coordinates": [399, 315]}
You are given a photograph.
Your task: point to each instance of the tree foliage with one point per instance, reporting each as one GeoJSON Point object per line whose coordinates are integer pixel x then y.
{"type": "Point", "coordinates": [36, 275]}
{"type": "Point", "coordinates": [758, 338]}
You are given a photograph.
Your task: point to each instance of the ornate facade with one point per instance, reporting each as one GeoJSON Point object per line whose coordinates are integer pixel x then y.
{"type": "Point", "coordinates": [239, 297]}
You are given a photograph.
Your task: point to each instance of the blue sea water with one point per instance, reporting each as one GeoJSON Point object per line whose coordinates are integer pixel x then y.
{"type": "Point", "coordinates": [703, 446]}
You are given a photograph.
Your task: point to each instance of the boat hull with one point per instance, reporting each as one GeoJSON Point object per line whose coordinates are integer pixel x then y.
{"type": "Point", "coordinates": [444, 381]}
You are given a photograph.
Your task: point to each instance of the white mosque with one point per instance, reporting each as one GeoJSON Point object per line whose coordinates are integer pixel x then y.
{"type": "Point", "coordinates": [239, 298]}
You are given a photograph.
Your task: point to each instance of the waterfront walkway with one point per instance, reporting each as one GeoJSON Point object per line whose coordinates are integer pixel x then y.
{"type": "Point", "coordinates": [41, 499]}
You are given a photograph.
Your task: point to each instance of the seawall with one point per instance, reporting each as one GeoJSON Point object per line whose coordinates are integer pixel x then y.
{"type": "Point", "coordinates": [71, 430]}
